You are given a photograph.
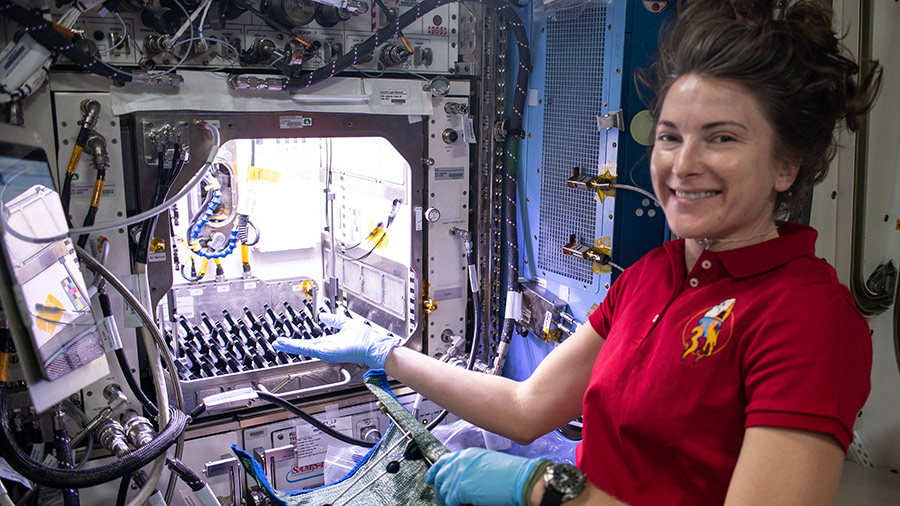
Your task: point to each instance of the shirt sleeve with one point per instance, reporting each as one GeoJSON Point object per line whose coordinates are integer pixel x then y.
{"type": "Point", "coordinates": [809, 362]}
{"type": "Point", "coordinates": [602, 317]}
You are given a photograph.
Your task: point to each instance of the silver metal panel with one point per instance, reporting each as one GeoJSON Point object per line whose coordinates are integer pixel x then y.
{"type": "Point", "coordinates": [213, 297]}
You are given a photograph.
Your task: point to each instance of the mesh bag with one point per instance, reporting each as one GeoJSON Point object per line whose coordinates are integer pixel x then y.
{"type": "Point", "coordinates": [391, 473]}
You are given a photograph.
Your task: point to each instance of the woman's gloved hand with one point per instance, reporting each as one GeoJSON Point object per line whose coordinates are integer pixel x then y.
{"type": "Point", "coordinates": [484, 477]}
{"type": "Point", "coordinates": [357, 342]}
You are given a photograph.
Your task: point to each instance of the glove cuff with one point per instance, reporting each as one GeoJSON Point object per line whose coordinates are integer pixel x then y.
{"type": "Point", "coordinates": [537, 472]}
{"type": "Point", "coordinates": [381, 350]}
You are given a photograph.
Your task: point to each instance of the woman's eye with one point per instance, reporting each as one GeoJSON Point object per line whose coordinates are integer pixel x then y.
{"type": "Point", "coordinates": [723, 138]}
{"type": "Point", "coordinates": [666, 138]}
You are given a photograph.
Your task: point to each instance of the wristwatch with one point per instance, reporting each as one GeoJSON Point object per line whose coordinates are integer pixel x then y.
{"type": "Point", "coordinates": [562, 482]}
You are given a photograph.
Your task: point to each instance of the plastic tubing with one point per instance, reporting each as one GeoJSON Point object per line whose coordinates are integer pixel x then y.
{"type": "Point", "coordinates": [136, 218]}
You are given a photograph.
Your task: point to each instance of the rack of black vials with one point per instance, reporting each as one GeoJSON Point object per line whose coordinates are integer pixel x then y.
{"type": "Point", "coordinates": [232, 351]}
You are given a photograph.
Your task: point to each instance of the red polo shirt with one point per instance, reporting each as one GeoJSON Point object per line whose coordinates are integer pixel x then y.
{"type": "Point", "coordinates": [758, 336]}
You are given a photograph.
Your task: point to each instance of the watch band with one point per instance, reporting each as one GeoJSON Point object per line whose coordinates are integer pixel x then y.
{"type": "Point", "coordinates": [536, 474]}
{"type": "Point", "coordinates": [552, 497]}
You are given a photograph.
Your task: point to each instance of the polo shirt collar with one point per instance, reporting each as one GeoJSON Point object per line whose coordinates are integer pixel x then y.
{"type": "Point", "coordinates": [794, 241]}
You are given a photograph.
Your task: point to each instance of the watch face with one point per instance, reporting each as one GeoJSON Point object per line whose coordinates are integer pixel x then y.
{"type": "Point", "coordinates": [568, 479]}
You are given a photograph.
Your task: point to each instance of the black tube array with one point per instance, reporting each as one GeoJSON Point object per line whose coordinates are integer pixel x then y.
{"type": "Point", "coordinates": [238, 343]}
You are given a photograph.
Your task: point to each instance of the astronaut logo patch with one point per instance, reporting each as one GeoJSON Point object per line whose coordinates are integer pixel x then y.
{"type": "Point", "coordinates": [706, 332]}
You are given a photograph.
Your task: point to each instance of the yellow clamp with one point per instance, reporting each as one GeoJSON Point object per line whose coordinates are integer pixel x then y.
{"type": "Point", "coordinates": [429, 305]}
{"type": "Point", "coordinates": [608, 176]}
{"type": "Point", "coordinates": [603, 245]}
{"type": "Point", "coordinates": [378, 237]}
{"type": "Point", "coordinates": [157, 245]}
{"type": "Point", "coordinates": [308, 286]}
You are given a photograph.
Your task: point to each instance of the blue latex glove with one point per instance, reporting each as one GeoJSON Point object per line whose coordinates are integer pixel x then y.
{"type": "Point", "coordinates": [357, 342]}
{"type": "Point", "coordinates": [479, 476]}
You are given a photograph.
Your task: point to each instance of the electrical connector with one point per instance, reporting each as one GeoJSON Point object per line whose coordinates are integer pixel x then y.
{"type": "Point", "coordinates": [586, 252]}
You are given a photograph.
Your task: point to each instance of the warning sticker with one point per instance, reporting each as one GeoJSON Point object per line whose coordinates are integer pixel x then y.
{"type": "Point", "coordinates": [394, 97]}
{"type": "Point", "coordinates": [293, 122]}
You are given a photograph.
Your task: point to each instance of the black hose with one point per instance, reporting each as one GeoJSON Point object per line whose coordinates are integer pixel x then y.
{"type": "Point", "coordinates": [197, 411]}
{"type": "Point", "coordinates": [122, 359]}
{"type": "Point", "coordinates": [88, 221]}
{"type": "Point", "coordinates": [510, 232]}
{"type": "Point", "coordinates": [133, 385]}
{"type": "Point", "coordinates": [66, 194]}
{"type": "Point", "coordinates": [164, 179]}
{"type": "Point", "coordinates": [92, 209]}
{"type": "Point", "coordinates": [81, 478]}
{"type": "Point", "coordinates": [122, 495]}
{"type": "Point", "coordinates": [47, 36]}
{"type": "Point", "coordinates": [66, 461]}
{"type": "Point", "coordinates": [278, 401]}
{"type": "Point", "coordinates": [187, 475]}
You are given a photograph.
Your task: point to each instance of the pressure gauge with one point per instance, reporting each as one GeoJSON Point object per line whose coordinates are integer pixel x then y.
{"type": "Point", "coordinates": [432, 214]}
{"type": "Point", "coordinates": [291, 13]}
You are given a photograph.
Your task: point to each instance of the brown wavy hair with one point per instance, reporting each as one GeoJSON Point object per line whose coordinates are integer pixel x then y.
{"type": "Point", "coordinates": [787, 54]}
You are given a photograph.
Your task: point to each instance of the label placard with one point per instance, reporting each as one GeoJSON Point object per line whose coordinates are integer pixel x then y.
{"type": "Point", "coordinates": [448, 173]}
{"type": "Point", "coordinates": [293, 122]}
{"type": "Point", "coordinates": [399, 96]}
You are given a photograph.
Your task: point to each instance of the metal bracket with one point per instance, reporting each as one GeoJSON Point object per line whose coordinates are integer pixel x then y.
{"type": "Point", "coordinates": [229, 466]}
{"type": "Point", "coordinates": [268, 458]}
{"type": "Point", "coordinates": [612, 119]}
{"type": "Point", "coordinates": [165, 135]}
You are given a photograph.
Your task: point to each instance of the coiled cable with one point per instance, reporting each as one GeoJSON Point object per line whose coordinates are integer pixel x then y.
{"type": "Point", "coordinates": [81, 478]}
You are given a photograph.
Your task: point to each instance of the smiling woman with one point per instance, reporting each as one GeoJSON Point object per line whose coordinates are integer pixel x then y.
{"type": "Point", "coordinates": [727, 366]}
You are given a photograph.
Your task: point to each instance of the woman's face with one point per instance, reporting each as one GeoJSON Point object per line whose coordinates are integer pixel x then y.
{"type": "Point", "coordinates": [714, 166]}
